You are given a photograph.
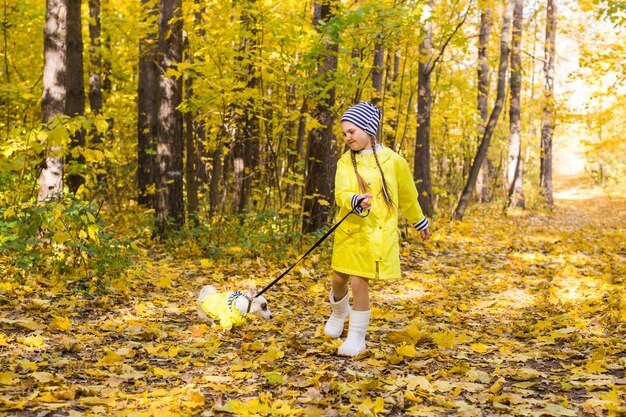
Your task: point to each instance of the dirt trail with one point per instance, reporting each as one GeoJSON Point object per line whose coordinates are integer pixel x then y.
{"type": "Point", "coordinates": [579, 201]}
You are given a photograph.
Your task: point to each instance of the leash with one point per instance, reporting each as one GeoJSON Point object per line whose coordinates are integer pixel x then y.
{"type": "Point", "coordinates": [332, 229]}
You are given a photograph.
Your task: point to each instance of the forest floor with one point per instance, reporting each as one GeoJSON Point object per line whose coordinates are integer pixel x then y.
{"type": "Point", "coordinates": [518, 314]}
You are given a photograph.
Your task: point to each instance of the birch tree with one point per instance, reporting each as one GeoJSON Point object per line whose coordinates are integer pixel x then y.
{"type": "Point", "coordinates": [54, 94]}
{"type": "Point", "coordinates": [515, 178]}
{"type": "Point", "coordinates": [482, 182]}
{"type": "Point", "coordinates": [548, 114]}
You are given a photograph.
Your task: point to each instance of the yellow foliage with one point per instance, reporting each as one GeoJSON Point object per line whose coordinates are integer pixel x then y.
{"type": "Point", "coordinates": [60, 323]}
{"type": "Point", "coordinates": [32, 341]}
{"type": "Point", "coordinates": [445, 339]}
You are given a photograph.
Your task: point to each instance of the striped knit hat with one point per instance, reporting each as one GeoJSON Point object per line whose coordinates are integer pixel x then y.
{"type": "Point", "coordinates": [365, 116]}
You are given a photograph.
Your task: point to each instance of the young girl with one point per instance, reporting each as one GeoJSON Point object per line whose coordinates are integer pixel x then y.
{"type": "Point", "coordinates": [375, 178]}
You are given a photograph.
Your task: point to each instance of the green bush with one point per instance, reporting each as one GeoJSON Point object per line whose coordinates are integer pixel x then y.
{"type": "Point", "coordinates": [61, 237]}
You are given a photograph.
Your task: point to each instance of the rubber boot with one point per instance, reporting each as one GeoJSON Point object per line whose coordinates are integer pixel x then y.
{"type": "Point", "coordinates": [355, 342]}
{"type": "Point", "coordinates": [341, 311]}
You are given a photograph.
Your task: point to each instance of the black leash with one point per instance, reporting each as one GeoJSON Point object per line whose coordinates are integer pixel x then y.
{"type": "Point", "coordinates": [332, 229]}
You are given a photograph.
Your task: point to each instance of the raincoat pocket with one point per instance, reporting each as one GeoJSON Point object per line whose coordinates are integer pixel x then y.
{"type": "Point", "coordinates": [347, 236]}
{"type": "Point", "coordinates": [349, 228]}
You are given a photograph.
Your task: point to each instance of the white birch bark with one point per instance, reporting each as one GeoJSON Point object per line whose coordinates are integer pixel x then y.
{"type": "Point", "coordinates": [54, 93]}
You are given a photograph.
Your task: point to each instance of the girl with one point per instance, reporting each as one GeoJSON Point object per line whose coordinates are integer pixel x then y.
{"type": "Point", "coordinates": [369, 177]}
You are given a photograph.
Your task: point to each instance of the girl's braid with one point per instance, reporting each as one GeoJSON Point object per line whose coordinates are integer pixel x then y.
{"type": "Point", "coordinates": [388, 199]}
{"type": "Point", "coordinates": [362, 184]}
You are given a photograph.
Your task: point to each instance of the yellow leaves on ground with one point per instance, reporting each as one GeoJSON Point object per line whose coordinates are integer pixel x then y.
{"type": "Point", "coordinates": [478, 348]}
{"type": "Point", "coordinates": [32, 341]}
{"type": "Point", "coordinates": [257, 407]}
{"type": "Point", "coordinates": [372, 408]}
{"type": "Point", "coordinates": [515, 316]}
{"type": "Point", "coordinates": [7, 378]}
{"type": "Point", "coordinates": [60, 323]}
{"type": "Point", "coordinates": [407, 351]}
{"type": "Point", "coordinates": [111, 358]}
{"type": "Point", "coordinates": [156, 371]}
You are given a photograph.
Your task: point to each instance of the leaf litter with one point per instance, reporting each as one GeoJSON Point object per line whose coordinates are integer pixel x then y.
{"type": "Point", "coordinates": [519, 315]}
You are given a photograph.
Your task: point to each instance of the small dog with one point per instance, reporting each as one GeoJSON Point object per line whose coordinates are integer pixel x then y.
{"type": "Point", "coordinates": [230, 308]}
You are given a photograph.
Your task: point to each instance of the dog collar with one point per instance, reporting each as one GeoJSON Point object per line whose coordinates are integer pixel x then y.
{"type": "Point", "coordinates": [235, 295]}
{"type": "Point", "coordinates": [232, 298]}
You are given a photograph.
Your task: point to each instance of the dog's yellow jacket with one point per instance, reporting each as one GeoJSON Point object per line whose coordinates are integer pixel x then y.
{"type": "Point", "coordinates": [219, 306]}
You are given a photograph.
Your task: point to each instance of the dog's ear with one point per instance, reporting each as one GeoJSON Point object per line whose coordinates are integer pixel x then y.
{"type": "Point", "coordinates": [251, 293]}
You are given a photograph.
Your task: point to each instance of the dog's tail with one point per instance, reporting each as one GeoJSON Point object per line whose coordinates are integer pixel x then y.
{"type": "Point", "coordinates": [206, 290]}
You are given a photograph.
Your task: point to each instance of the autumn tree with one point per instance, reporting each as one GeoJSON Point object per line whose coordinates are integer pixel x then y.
{"type": "Point", "coordinates": [75, 102]}
{"type": "Point", "coordinates": [515, 179]}
{"type": "Point", "coordinates": [246, 147]}
{"type": "Point", "coordinates": [147, 94]}
{"type": "Point", "coordinates": [481, 153]}
{"type": "Point", "coordinates": [95, 73]}
{"type": "Point", "coordinates": [53, 99]}
{"type": "Point", "coordinates": [169, 148]}
{"type": "Point", "coordinates": [482, 182]}
{"type": "Point", "coordinates": [421, 168]}
{"type": "Point", "coordinates": [428, 59]}
{"type": "Point", "coordinates": [378, 71]}
{"type": "Point", "coordinates": [548, 113]}
{"type": "Point", "coordinates": [194, 126]}
{"type": "Point", "coordinates": [321, 151]}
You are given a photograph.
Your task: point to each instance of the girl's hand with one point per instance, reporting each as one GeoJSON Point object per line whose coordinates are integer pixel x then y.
{"type": "Point", "coordinates": [425, 234]}
{"type": "Point", "coordinates": [366, 203]}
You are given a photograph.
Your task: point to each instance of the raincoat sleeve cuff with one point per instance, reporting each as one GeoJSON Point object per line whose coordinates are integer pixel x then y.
{"type": "Point", "coordinates": [355, 204]}
{"type": "Point", "coordinates": [421, 225]}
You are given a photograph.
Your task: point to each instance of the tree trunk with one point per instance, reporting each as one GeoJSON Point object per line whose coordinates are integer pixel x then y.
{"type": "Point", "coordinates": [377, 72]}
{"type": "Point", "coordinates": [147, 100]}
{"type": "Point", "coordinates": [215, 193]}
{"type": "Point", "coordinates": [75, 104]}
{"type": "Point", "coordinates": [191, 152]}
{"type": "Point", "coordinates": [321, 151]}
{"type": "Point", "coordinates": [421, 171]}
{"type": "Point", "coordinates": [481, 153]}
{"type": "Point", "coordinates": [547, 120]}
{"type": "Point", "coordinates": [244, 125]}
{"type": "Point", "coordinates": [169, 158]}
{"type": "Point", "coordinates": [95, 76]}
{"type": "Point", "coordinates": [515, 179]}
{"type": "Point", "coordinates": [482, 182]}
{"type": "Point", "coordinates": [251, 125]}
{"type": "Point", "coordinates": [54, 94]}
{"type": "Point", "coordinates": [295, 137]}
{"type": "Point", "coordinates": [355, 62]}
{"type": "Point", "coordinates": [199, 124]}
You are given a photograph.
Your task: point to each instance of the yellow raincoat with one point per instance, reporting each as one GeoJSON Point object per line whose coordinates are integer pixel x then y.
{"type": "Point", "coordinates": [368, 246]}
{"type": "Point", "coordinates": [220, 306]}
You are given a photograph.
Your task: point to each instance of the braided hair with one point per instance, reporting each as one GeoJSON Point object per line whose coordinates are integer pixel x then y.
{"type": "Point", "coordinates": [388, 200]}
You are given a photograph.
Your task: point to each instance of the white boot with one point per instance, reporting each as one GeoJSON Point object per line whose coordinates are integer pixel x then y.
{"type": "Point", "coordinates": [341, 311]}
{"type": "Point", "coordinates": [355, 342]}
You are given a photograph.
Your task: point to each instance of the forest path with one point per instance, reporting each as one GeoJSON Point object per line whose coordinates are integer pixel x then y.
{"type": "Point", "coordinates": [580, 204]}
